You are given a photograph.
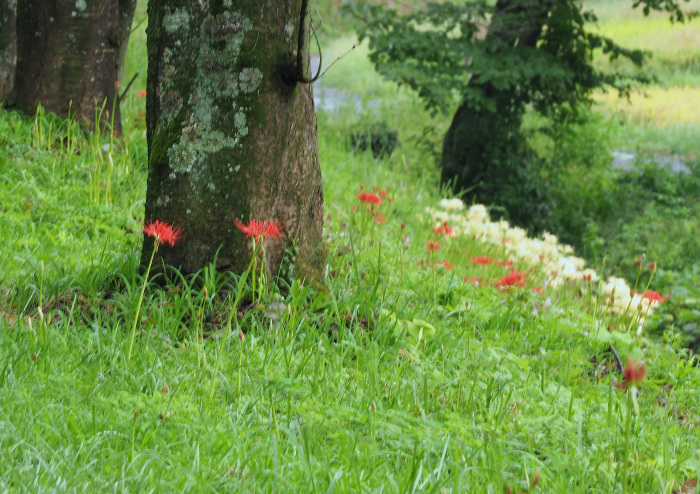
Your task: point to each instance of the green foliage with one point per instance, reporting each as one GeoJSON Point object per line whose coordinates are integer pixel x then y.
{"type": "Point", "coordinates": [655, 212]}
{"type": "Point", "coordinates": [377, 137]}
{"type": "Point", "coordinates": [649, 211]}
{"type": "Point", "coordinates": [680, 315]}
{"type": "Point", "coordinates": [437, 52]}
{"type": "Point", "coordinates": [575, 163]}
{"type": "Point", "coordinates": [533, 54]}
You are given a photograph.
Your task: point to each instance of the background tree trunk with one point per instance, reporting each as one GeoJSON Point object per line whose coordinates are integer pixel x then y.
{"type": "Point", "coordinates": [483, 142]}
{"type": "Point", "coordinates": [71, 50]}
{"type": "Point", "coordinates": [8, 46]}
{"type": "Point", "coordinates": [230, 133]}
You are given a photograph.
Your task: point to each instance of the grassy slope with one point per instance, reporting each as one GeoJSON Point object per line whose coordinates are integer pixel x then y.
{"type": "Point", "coordinates": [498, 393]}
{"type": "Point", "coordinates": [614, 216]}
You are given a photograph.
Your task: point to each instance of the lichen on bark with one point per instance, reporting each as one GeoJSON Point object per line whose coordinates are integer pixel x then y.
{"type": "Point", "coordinates": [217, 82]}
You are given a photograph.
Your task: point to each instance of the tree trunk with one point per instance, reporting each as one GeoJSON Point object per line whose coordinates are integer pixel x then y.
{"type": "Point", "coordinates": [231, 133]}
{"type": "Point", "coordinates": [482, 142]}
{"type": "Point", "coordinates": [8, 46]}
{"type": "Point", "coordinates": [69, 55]}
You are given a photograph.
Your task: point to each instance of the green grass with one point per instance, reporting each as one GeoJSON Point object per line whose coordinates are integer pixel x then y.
{"type": "Point", "coordinates": [497, 394]}
{"type": "Point", "coordinates": [401, 377]}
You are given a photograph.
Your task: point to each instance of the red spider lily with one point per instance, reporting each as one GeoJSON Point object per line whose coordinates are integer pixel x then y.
{"type": "Point", "coordinates": [514, 278]}
{"type": "Point", "coordinates": [652, 266]}
{"type": "Point", "coordinates": [443, 264]}
{"type": "Point", "coordinates": [369, 198]}
{"type": "Point", "coordinates": [447, 230]}
{"type": "Point", "coordinates": [634, 372]}
{"type": "Point", "coordinates": [654, 296]}
{"type": "Point", "coordinates": [162, 232]}
{"type": "Point", "coordinates": [504, 262]}
{"type": "Point", "coordinates": [473, 281]}
{"type": "Point", "coordinates": [379, 218]}
{"type": "Point", "coordinates": [258, 228]}
{"type": "Point", "coordinates": [482, 260]}
{"type": "Point", "coordinates": [432, 245]}
{"type": "Point", "coordinates": [142, 93]}
{"type": "Point", "coordinates": [383, 192]}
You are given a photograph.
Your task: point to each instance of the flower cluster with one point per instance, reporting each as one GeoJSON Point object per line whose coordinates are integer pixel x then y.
{"type": "Point", "coordinates": [443, 228]}
{"type": "Point", "coordinates": [432, 246]}
{"type": "Point", "coordinates": [162, 232]}
{"type": "Point", "coordinates": [514, 278]}
{"type": "Point", "coordinates": [545, 255]}
{"type": "Point", "coordinates": [624, 301]}
{"type": "Point", "coordinates": [369, 198]}
{"type": "Point", "coordinates": [373, 200]}
{"type": "Point", "coordinates": [482, 260]}
{"type": "Point", "coordinates": [258, 229]}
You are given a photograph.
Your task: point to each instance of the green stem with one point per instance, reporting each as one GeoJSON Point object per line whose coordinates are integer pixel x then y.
{"type": "Point", "coordinates": [240, 363]}
{"type": "Point", "coordinates": [627, 443]}
{"type": "Point", "coordinates": [133, 435]}
{"type": "Point", "coordinates": [432, 265]}
{"type": "Point", "coordinates": [199, 334]}
{"type": "Point", "coordinates": [274, 416]}
{"type": "Point", "coordinates": [138, 307]}
{"type": "Point", "coordinates": [241, 284]}
{"type": "Point", "coordinates": [262, 272]}
{"type": "Point", "coordinates": [255, 262]}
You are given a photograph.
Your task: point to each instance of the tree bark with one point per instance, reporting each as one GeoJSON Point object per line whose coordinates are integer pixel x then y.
{"type": "Point", "coordinates": [231, 133]}
{"type": "Point", "coordinates": [8, 46]}
{"type": "Point", "coordinates": [69, 56]}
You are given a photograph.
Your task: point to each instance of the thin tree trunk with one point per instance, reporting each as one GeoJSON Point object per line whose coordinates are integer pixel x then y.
{"type": "Point", "coordinates": [231, 134]}
{"type": "Point", "coordinates": [8, 46]}
{"type": "Point", "coordinates": [69, 55]}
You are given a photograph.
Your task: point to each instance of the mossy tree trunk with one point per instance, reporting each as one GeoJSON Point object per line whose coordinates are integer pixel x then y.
{"type": "Point", "coordinates": [8, 46]}
{"type": "Point", "coordinates": [69, 55]}
{"type": "Point", "coordinates": [232, 133]}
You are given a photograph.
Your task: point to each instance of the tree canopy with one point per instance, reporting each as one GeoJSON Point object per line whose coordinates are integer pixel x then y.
{"type": "Point", "coordinates": [540, 52]}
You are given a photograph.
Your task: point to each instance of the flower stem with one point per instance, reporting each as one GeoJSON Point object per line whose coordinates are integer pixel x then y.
{"type": "Point", "coordinates": [241, 284]}
{"type": "Point", "coordinates": [262, 272]}
{"type": "Point", "coordinates": [432, 265]}
{"type": "Point", "coordinates": [199, 333]}
{"type": "Point", "coordinates": [255, 262]}
{"type": "Point", "coordinates": [240, 363]}
{"type": "Point", "coordinates": [628, 424]}
{"type": "Point", "coordinates": [138, 306]}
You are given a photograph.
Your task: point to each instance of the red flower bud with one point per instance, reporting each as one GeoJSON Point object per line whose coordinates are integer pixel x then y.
{"type": "Point", "coordinates": [634, 372]}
